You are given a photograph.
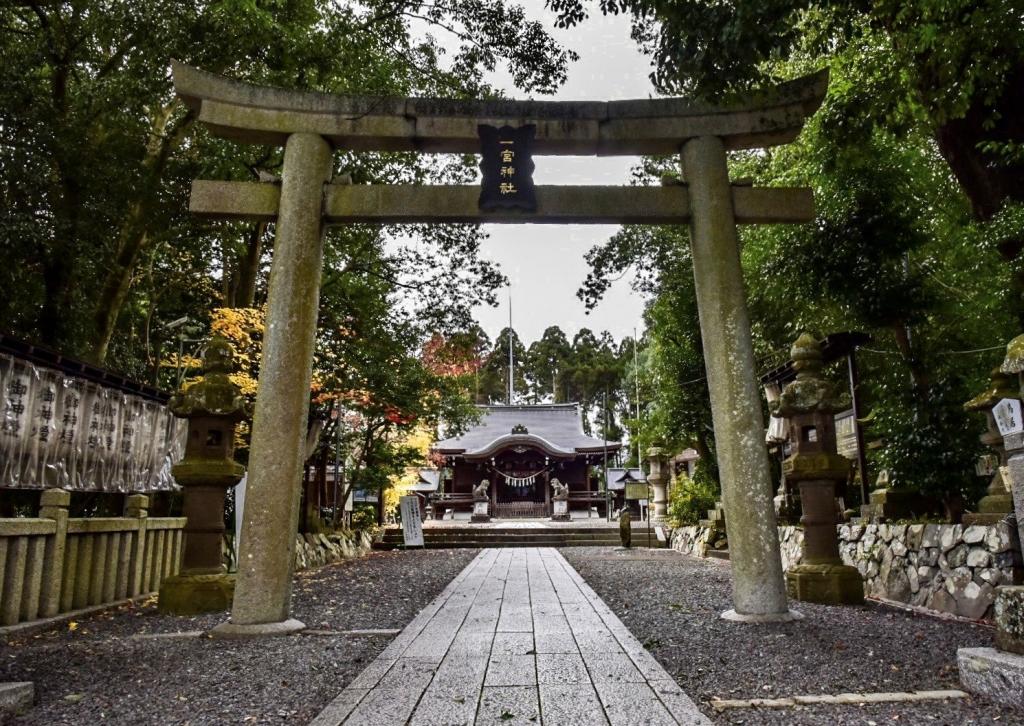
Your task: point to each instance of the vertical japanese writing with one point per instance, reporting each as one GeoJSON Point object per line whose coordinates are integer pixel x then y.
{"type": "Point", "coordinates": [507, 166]}
{"type": "Point", "coordinates": [14, 407]}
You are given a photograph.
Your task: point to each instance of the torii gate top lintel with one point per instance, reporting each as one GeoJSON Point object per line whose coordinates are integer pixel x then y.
{"type": "Point", "coordinates": [264, 114]}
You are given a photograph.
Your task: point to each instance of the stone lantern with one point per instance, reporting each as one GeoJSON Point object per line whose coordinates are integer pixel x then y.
{"type": "Point", "coordinates": [997, 502]}
{"type": "Point", "coordinates": [658, 478]}
{"type": "Point", "coordinates": [1014, 443]}
{"type": "Point", "coordinates": [810, 404]}
{"type": "Point", "coordinates": [996, 672]}
{"type": "Point", "coordinates": [213, 406]}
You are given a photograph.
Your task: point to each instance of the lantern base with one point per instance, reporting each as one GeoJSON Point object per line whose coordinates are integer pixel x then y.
{"type": "Point", "coordinates": [825, 584]}
{"type": "Point", "coordinates": [187, 594]}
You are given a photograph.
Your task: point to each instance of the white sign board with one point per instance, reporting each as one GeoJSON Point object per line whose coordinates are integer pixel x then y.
{"type": "Point", "coordinates": [1008, 418]}
{"type": "Point", "coordinates": [412, 527]}
{"type": "Point", "coordinates": [239, 511]}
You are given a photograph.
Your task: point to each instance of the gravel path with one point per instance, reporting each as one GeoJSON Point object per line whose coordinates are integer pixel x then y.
{"type": "Point", "coordinates": [672, 604]}
{"type": "Point", "coordinates": [102, 672]}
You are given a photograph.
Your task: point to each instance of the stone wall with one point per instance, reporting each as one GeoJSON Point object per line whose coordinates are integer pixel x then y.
{"type": "Point", "coordinates": [693, 541]}
{"type": "Point", "coordinates": [317, 550]}
{"type": "Point", "coordinates": [943, 567]}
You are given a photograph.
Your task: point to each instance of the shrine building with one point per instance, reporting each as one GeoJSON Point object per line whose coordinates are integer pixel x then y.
{"type": "Point", "coordinates": [519, 449]}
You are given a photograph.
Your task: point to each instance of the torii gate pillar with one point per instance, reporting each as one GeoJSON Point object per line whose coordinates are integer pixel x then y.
{"type": "Point", "coordinates": [759, 593]}
{"type": "Point", "coordinates": [263, 591]}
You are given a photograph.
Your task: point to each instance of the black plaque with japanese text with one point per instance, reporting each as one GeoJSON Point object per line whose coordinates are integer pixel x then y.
{"type": "Point", "coordinates": [507, 166]}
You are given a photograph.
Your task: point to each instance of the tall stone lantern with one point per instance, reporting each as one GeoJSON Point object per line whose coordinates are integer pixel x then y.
{"type": "Point", "coordinates": [213, 407]}
{"type": "Point", "coordinates": [658, 478]}
{"type": "Point", "coordinates": [1014, 443]}
{"type": "Point", "coordinates": [997, 502]}
{"type": "Point", "coordinates": [996, 672]}
{"type": "Point", "coordinates": [810, 404]}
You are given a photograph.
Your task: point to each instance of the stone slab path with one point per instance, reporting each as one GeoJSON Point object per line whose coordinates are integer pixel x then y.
{"type": "Point", "coordinates": [516, 638]}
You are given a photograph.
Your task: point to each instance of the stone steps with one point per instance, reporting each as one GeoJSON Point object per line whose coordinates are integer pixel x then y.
{"type": "Point", "coordinates": [470, 544]}
{"type": "Point", "coordinates": [514, 537]}
{"type": "Point", "coordinates": [503, 533]}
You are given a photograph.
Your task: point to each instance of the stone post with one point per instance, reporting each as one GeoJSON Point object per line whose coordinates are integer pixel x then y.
{"type": "Point", "coordinates": [997, 502]}
{"type": "Point", "coordinates": [658, 479]}
{"type": "Point", "coordinates": [999, 672]}
{"type": "Point", "coordinates": [560, 502]}
{"type": "Point", "coordinates": [213, 406]}
{"type": "Point", "coordinates": [759, 594]}
{"type": "Point", "coordinates": [136, 506]}
{"type": "Point", "coordinates": [481, 502]}
{"type": "Point", "coordinates": [1014, 443]}
{"type": "Point", "coordinates": [262, 603]}
{"type": "Point", "coordinates": [810, 403]}
{"type": "Point", "coordinates": [53, 504]}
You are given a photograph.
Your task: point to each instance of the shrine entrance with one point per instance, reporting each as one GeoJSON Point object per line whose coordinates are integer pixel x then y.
{"type": "Point", "coordinates": [521, 483]}
{"type": "Point", "coordinates": [311, 126]}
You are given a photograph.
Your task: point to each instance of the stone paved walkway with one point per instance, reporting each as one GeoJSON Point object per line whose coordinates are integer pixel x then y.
{"type": "Point", "coordinates": [516, 638]}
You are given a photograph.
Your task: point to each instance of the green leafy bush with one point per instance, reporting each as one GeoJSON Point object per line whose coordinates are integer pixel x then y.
{"type": "Point", "coordinates": [364, 517]}
{"type": "Point", "coordinates": [690, 499]}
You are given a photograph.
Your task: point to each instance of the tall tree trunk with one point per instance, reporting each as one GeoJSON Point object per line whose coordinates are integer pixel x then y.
{"type": "Point", "coordinates": [247, 267]}
{"type": "Point", "coordinates": [919, 375]}
{"type": "Point", "coordinates": [133, 235]}
{"type": "Point", "coordinates": [703, 449]}
{"type": "Point", "coordinates": [988, 181]}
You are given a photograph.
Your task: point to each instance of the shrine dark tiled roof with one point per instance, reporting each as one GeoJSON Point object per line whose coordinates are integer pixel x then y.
{"type": "Point", "coordinates": [617, 478]}
{"type": "Point", "coordinates": [555, 428]}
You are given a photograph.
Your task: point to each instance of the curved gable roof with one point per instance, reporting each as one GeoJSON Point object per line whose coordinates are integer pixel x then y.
{"type": "Point", "coordinates": [556, 429]}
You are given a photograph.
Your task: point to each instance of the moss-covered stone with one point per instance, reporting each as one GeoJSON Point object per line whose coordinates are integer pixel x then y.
{"type": "Point", "coordinates": [196, 594]}
{"type": "Point", "coordinates": [1009, 617]}
{"type": "Point", "coordinates": [1014, 360]}
{"type": "Point", "coordinates": [825, 584]}
{"type": "Point", "coordinates": [1001, 385]}
{"type": "Point", "coordinates": [809, 392]}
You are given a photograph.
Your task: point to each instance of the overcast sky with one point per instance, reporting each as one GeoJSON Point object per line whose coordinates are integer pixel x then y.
{"type": "Point", "coordinates": [544, 263]}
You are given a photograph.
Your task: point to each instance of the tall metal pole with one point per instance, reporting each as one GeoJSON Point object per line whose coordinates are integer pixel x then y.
{"type": "Point", "coordinates": [604, 441]}
{"type": "Point", "coordinates": [511, 361]}
{"type": "Point", "coordinates": [337, 464]}
{"type": "Point", "coordinates": [636, 402]}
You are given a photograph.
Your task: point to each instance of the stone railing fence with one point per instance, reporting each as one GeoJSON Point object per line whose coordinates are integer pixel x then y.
{"type": "Point", "coordinates": [947, 568]}
{"type": "Point", "coordinates": [53, 564]}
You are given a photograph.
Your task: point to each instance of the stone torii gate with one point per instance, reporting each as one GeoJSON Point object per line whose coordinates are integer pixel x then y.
{"type": "Point", "coordinates": [311, 126]}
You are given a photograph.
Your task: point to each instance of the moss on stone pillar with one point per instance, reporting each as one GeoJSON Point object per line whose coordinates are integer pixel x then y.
{"type": "Point", "coordinates": [757, 583]}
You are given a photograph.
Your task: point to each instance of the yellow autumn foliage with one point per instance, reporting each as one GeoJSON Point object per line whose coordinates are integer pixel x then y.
{"type": "Point", "coordinates": [420, 439]}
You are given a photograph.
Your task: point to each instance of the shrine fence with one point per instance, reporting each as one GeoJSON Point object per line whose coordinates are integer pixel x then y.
{"type": "Point", "coordinates": [53, 564]}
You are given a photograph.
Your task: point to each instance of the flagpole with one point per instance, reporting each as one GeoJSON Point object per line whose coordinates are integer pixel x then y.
{"type": "Point", "coordinates": [636, 402]}
{"type": "Point", "coordinates": [511, 361]}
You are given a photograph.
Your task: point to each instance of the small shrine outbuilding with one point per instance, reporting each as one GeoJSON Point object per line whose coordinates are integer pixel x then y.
{"type": "Point", "coordinates": [520, 449]}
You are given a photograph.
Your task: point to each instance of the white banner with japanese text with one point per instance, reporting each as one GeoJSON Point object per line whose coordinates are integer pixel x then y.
{"type": "Point", "coordinates": [60, 431]}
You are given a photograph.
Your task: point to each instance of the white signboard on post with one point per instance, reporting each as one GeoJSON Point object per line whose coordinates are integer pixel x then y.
{"type": "Point", "coordinates": [1008, 416]}
{"type": "Point", "coordinates": [412, 526]}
